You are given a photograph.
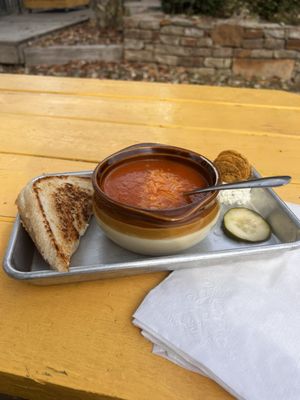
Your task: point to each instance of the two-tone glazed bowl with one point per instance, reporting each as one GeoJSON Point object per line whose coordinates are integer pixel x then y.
{"type": "Point", "coordinates": [155, 231]}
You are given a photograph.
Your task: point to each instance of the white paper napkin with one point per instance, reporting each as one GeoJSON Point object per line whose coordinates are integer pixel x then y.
{"type": "Point", "coordinates": [239, 324]}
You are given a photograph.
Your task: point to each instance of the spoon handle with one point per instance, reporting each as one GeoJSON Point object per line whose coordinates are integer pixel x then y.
{"type": "Point", "coordinates": [271, 181]}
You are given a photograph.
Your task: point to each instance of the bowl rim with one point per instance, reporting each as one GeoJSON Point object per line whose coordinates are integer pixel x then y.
{"type": "Point", "coordinates": [150, 211]}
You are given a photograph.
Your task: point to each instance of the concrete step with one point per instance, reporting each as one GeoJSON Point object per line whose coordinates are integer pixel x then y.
{"type": "Point", "coordinates": [16, 30]}
{"type": "Point", "coordinates": [64, 54]}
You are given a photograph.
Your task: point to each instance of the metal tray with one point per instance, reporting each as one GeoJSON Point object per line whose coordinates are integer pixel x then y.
{"type": "Point", "coordinates": [97, 257]}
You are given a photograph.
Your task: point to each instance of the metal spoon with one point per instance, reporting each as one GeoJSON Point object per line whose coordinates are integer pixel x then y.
{"type": "Point", "coordinates": [270, 181]}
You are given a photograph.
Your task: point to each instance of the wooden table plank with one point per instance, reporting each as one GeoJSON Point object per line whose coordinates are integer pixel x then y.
{"type": "Point", "coordinates": [77, 341]}
{"type": "Point", "coordinates": [92, 141]}
{"type": "Point", "coordinates": [16, 171]}
{"type": "Point", "coordinates": [145, 90]}
{"type": "Point", "coordinates": [80, 336]}
{"type": "Point", "coordinates": [153, 113]}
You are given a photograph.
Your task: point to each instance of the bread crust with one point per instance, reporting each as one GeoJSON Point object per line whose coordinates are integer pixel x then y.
{"type": "Point", "coordinates": [55, 211]}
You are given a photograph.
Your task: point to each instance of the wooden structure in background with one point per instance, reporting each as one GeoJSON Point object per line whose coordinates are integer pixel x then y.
{"type": "Point", "coordinates": [48, 4]}
{"type": "Point", "coordinates": [9, 6]}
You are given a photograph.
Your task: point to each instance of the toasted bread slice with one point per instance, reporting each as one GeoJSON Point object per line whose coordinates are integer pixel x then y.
{"type": "Point", "coordinates": [55, 211]}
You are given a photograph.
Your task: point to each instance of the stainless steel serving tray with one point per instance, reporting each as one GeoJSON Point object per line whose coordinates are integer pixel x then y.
{"type": "Point", "coordinates": [97, 257]}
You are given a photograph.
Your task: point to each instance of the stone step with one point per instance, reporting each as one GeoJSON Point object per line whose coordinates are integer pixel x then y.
{"type": "Point", "coordinates": [156, 3]}
{"type": "Point", "coordinates": [139, 7]}
{"type": "Point", "coordinates": [141, 10]}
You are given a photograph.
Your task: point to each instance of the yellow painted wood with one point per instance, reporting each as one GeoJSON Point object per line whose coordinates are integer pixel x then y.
{"type": "Point", "coordinates": [92, 141]}
{"type": "Point", "coordinates": [77, 341]}
{"type": "Point", "coordinates": [146, 90]}
{"type": "Point", "coordinates": [48, 4]}
{"type": "Point", "coordinates": [80, 337]}
{"type": "Point", "coordinates": [153, 113]}
{"type": "Point", "coordinates": [16, 171]}
{"type": "Point", "coordinates": [289, 193]}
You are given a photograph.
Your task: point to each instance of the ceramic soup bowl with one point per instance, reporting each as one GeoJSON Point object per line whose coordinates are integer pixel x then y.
{"type": "Point", "coordinates": [139, 203]}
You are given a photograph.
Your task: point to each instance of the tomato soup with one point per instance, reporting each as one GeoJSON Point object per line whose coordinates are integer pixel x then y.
{"type": "Point", "coordinates": [152, 183]}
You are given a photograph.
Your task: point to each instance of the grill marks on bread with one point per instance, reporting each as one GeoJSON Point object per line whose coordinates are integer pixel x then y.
{"type": "Point", "coordinates": [45, 221]}
{"type": "Point", "coordinates": [55, 210]}
{"type": "Point", "coordinates": [73, 208]}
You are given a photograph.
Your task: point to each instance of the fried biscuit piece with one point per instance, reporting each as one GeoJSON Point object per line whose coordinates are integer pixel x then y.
{"type": "Point", "coordinates": [233, 166]}
{"type": "Point", "coordinates": [229, 172]}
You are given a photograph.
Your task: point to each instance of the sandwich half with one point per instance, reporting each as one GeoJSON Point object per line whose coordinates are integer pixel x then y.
{"type": "Point", "coordinates": [55, 211]}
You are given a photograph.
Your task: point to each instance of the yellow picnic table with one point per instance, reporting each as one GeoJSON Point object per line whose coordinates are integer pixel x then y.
{"type": "Point", "coordinates": [76, 341]}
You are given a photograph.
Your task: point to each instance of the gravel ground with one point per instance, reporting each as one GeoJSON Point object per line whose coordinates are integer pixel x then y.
{"type": "Point", "coordinates": [87, 34]}
{"type": "Point", "coordinates": [143, 72]}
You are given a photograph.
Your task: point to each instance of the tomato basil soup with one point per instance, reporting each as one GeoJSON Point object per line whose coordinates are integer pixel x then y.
{"type": "Point", "coordinates": [152, 183]}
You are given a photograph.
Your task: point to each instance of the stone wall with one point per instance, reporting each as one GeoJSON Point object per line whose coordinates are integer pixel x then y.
{"type": "Point", "coordinates": [210, 46]}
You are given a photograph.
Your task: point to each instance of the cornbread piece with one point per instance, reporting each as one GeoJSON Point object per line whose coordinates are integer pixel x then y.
{"type": "Point", "coordinates": [55, 211]}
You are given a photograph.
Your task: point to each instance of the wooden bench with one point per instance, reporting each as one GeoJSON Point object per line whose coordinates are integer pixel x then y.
{"type": "Point", "coordinates": [54, 4]}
